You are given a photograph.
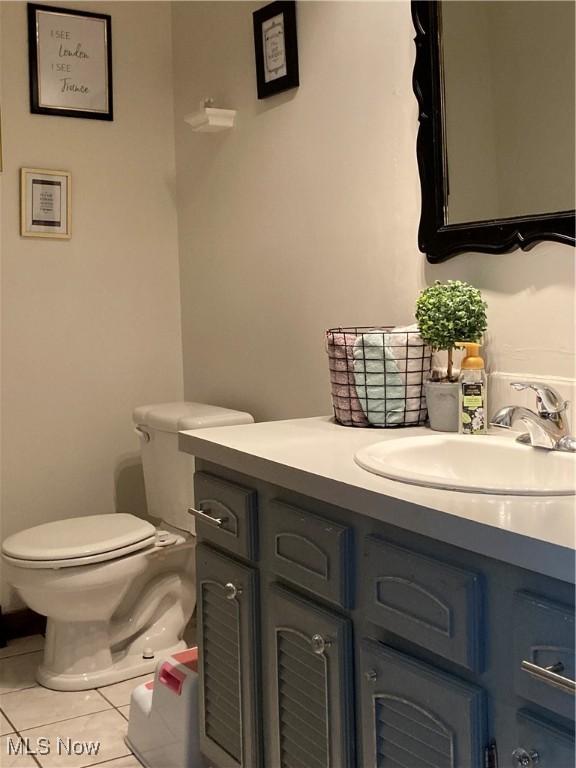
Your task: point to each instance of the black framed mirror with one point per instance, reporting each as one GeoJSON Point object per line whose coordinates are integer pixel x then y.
{"type": "Point", "coordinates": [495, 90]}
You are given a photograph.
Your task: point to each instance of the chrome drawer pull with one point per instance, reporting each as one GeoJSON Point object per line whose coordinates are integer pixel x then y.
{"type": "Point", "coordinates": [550, 676]}
{"type": "Point", "coordinates": [217, 521]}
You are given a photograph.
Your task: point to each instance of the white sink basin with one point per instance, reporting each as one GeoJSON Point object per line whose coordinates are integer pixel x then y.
{"type": "Point", "coordinates": [477, 464]}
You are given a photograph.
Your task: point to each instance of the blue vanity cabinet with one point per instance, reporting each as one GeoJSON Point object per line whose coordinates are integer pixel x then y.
{"type": "Point", "coordinates": [353, 643]}
{"type": "Point", "coordinates": [230, 724]}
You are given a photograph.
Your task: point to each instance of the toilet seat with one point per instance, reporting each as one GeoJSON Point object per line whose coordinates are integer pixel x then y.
{"type": "Point", "coordinates": [79, 541]}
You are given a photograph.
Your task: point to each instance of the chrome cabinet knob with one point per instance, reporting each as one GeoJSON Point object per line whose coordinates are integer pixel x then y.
{"type": "Point", "coordinates": [319, 644]}
{"type": "Point", "coordinates": [232, 591]}
{"type": "Point", "coordinates": [371, 675]}
{"type": "Point", "coordinates": [525, 759]}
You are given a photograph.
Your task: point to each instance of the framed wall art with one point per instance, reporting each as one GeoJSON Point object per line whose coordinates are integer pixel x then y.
{"type": "Point", "coordinates": [276, 48]}
{"type": "Point", "coordinates": [70, 61]}
{"type": "Point", "coordinates": [45, 203]}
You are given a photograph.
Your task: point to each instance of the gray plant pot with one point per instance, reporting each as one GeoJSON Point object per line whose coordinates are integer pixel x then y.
{"type": "Point", "coordinates": [442, 403]}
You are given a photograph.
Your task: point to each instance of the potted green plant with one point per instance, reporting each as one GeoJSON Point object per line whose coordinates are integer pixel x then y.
{"type": "Point", "coordinates": [447, 313]}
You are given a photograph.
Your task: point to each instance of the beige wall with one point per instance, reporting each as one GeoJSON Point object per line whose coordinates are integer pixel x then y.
{"type": "Point", "coordinates": [306, 214]}
{"type": "Point", "coordinates": [90, 327]}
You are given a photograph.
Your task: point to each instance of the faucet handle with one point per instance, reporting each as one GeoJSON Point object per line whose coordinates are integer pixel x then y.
{"type": "Point", "coordinates": [548, 400]}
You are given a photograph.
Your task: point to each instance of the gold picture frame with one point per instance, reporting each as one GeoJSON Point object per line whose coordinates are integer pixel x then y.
{"type": "Point", "coordinates": [45, 203]}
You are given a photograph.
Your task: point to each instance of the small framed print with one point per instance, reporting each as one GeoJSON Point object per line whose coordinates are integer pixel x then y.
{"type": "Point", "coordinates": [45, 203]}
{"type": "Point", "coordinates": [276, 48]}
{"type": "Point", "coordinates": [70, 62]}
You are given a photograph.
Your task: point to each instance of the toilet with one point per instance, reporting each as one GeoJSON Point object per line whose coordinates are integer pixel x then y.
{"type": "Point", "coordinates": [117, 591]}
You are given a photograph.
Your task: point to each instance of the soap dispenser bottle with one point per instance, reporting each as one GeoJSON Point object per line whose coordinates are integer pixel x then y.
{"type": "Point", "coordinates": [472, 405]}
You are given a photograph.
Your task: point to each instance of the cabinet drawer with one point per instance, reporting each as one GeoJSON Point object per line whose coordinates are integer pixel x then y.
{"type": "Point", "coordinates": [545, 744]}
{"type": "Point", "coordinates": [229, 517]}
{"type": "Point", "coordinates": [544, 638]}
{"type": "Point", "coordinates": [416, 716]}
{"type": "Point", "coordinates": [431, 603]}
{"type": "Point", "coordinates": [310, 551]}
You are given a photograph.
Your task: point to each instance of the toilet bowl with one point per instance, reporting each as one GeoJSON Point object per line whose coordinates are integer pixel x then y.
{"type": "Point", "coordinates": [111, 609]}
{"type": "Point", "coordinates": [118, 592]}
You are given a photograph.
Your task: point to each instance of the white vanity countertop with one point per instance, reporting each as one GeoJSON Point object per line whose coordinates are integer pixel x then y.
{"type": "Point", "coordinates": [315, 457]}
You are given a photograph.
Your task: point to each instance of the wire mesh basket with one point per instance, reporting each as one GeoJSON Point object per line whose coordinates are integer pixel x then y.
{"type": "Point", "coordinates": [377, 375]}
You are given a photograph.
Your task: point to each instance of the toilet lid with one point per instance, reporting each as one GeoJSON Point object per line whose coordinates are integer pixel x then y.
{"type": "Point", "coordinates": [80, 537]}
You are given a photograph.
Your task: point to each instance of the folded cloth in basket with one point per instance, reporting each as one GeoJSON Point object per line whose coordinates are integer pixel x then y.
{"type": "Point", "coordinates": [380, 387]}
{"type": "Point", "coordinates": [413, 358]}
{"type": "Point", "coordinates": [347, 407]}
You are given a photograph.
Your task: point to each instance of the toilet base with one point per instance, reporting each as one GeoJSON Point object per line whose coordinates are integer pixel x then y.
{"type": "Point", "coordinates": [127, 667]}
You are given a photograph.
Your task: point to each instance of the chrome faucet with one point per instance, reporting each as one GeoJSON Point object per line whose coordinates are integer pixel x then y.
{"type": "Point", "coordinates": [547, 426]}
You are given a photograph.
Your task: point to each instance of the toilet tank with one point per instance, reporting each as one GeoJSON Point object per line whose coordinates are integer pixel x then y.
{"type": "Point", "coordinates": [168, 472]}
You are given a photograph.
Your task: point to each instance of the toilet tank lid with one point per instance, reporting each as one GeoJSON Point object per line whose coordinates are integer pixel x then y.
{"type": "Point", "coordinates": [173, 417]}
{"type": "Point", "coordinates": [79, 537]}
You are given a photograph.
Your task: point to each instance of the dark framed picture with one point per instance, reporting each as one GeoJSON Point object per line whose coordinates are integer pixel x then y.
{"type": "Point", "coordinates": [276, 48]}
{"type": "Point", "coordinates": [45, 203]}
{"type": "Point", "coordinates": [70, 61]}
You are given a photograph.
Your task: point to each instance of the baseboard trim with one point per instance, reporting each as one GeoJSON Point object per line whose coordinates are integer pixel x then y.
{"type": "Point", "coordinates": [20, 624]}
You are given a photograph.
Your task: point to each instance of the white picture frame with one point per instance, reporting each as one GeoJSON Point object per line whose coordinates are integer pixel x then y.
{"type": "Point", "coordinates": [45, 203]}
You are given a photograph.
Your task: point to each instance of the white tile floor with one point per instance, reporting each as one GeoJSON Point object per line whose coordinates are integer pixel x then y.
{"type": "Point", "coordinates": [28, 711]}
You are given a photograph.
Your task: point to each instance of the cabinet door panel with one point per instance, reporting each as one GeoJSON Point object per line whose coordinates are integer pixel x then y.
{"type": "Point", "coordinates": [236, 509]}
{"type": "Point", "coordinates": [311, 551]}
{"type": "Point", "coordinates": [416, 716]}
{"type": "Point", "coordinates": [310, 684]}
{"type": "Point", "coordinates": [431, 603]}
{"type": "Point", "coordinates": [229, 723]}
{"type": "Point", "coordinates": [543, 637]}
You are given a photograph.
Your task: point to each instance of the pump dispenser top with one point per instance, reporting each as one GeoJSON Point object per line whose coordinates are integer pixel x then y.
{"type": "Point", "coordinates": [473, 360]}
